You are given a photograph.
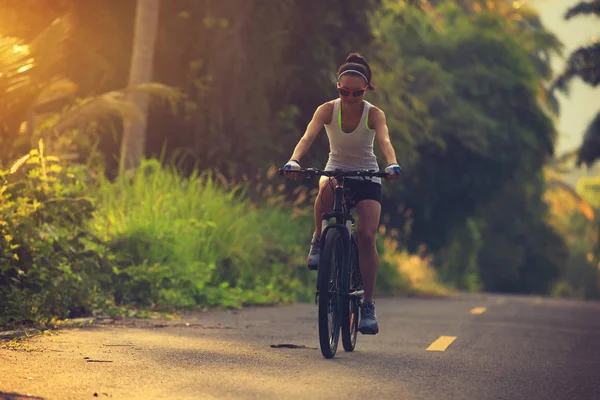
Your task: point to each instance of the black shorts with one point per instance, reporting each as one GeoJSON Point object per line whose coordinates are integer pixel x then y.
{"type": "Point", "coordinates": [356, 190]}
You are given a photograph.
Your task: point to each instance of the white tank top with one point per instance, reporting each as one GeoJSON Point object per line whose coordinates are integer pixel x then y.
{"type": "Point", "coordinates": [354, 150]}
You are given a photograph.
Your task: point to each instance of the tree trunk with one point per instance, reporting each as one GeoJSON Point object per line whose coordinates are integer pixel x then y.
{"type": "Point", "coordinates": [134, 129]}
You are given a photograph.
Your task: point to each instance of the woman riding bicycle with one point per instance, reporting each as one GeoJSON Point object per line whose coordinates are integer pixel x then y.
{"type": "Point", "coordinates": [352, 124]}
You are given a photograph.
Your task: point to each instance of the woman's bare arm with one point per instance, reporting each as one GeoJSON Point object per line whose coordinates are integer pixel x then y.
{"type": "Point", "coordinates": [322, 116]}
{"type": "Point", "coordinates": [383, 136]}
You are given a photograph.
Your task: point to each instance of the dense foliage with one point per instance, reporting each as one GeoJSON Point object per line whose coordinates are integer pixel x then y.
{"type": "Point", "coordinates": [464, 88]}
{"type": "Point", "coordinates": [584, 63]}
{"type": "Point", "coordinates": [478, 138]}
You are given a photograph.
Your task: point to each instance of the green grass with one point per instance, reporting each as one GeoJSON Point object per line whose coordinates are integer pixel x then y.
{"type": "Point", "coordinates": [183, 242]}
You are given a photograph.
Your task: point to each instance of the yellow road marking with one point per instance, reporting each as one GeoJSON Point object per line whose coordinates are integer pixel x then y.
{"type": "Point", "coordinates": [538, 300]}
{"type": "Point", "coordinates": [442, 343]}
{"type": "Point", "coordinates": [478, 310]}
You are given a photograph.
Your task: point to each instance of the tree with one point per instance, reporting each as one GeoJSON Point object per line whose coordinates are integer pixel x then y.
{"type": "Point", "coordinates": [461, 95]}
{"type": "Point", "coordinates": [584, 63]}
{"type": "Point", "coordinates": [255, 72]}
{"type": "Point", "coordinates": [522, 251]}
{"type": "Point", "coordinates": [40, 101]}
{"type": "Point", "coordinates": [574, 213]}
{"type": "Point", "coordinates": [142, 60]}
{"type": "Point", "coordinates": [523, 21]}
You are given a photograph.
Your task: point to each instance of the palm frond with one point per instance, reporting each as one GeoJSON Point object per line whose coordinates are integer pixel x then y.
{"type": "Point", "coordinates": [95, 108]}
{"type": "Point", "coordinates": [16, 63]}
{"type": "Point", "coordinates": [586, 8]}
{"type": "Point", "coordinates": [29, 66]}
{"type": "Point", "coordinates": [48, 48]}
{"type": "Point", "coordinates": [112, 104]}
{"type": "Point", "coordinates": [545, 41]}
{"type": "Point", "coordinates": [26, 69]}
{"type": "Point", "coordinates": [583, 63]}
{"type": "Point", "coordinates": [55, 95]}
{"type": "Point", "coordinates": [159, 91]}
{"type": "Point", "coordinates": [589, 151]}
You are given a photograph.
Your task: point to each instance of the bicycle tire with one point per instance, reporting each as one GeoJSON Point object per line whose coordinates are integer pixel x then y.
{"type": "Point", "coordinates": [351, 307]}
{"type": "Point", "coordinates": [329, 280]}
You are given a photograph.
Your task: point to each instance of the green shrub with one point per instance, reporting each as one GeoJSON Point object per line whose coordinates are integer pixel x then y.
{"type": "Point", "coordinates": [49, 264]}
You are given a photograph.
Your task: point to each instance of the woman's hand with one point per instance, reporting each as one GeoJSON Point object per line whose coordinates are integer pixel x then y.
{"type": "Point", "coordinates": [290, 167]}
{"type": "Point", "coordinates": [394, 171]}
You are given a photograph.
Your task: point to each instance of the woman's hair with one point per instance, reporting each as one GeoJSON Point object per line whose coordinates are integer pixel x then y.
{"type": "Point", "coordinates": [355, 62]}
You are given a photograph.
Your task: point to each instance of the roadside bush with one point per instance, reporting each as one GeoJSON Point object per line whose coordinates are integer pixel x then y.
{"type": "Point", "coordinates": [50, 265]}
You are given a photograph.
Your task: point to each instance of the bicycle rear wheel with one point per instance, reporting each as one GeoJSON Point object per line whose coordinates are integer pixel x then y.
{"type": "Point", "coordinates": [329, 284]}
{"type": "Point", "coordinates": [351, 307]}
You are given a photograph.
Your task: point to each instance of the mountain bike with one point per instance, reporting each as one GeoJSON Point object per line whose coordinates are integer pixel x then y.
{"type": "Point", "coordinates": [339, 283]}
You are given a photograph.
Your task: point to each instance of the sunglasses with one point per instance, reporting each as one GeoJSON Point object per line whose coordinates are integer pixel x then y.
{"type": "Point", "coordinates": [354, 92]}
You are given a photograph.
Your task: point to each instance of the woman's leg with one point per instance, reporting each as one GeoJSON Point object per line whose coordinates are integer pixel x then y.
{"type": "Point", "coordinates": [323, 204]}
{"type": "Point", "coordinates": [369, 212]}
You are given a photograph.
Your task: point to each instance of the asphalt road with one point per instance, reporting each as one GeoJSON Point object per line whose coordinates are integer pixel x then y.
{"type": "Point", "coordinates": [471, 347]}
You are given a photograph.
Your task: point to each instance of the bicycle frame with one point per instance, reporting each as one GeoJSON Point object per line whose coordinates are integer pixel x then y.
{"type": "Point", "coordinates": [343, 218]}
{"type": "Point", "coordinates": [343, 222]}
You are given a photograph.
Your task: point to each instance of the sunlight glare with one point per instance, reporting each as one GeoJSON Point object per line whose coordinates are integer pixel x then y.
{"type": "Point", "coordinates": [20, 49]}
{"type": "Point", "coordinates": [25, 68]}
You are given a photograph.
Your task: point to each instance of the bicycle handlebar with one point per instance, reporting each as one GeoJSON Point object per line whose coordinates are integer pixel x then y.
{"type": "Point", "coordinates": [310, 172]}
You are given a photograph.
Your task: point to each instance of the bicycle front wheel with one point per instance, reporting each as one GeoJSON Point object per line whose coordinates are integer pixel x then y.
{"type": "Point", "coordinates": [351, 307]}
{"type": "Point", "coordinates": [329, 284]}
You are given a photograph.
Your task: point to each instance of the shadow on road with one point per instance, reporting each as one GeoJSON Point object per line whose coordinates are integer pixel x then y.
{"type": "Point", "coordinates": [17, 396]}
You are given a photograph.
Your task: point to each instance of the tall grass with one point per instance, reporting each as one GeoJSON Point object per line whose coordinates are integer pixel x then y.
{"type": "Point", "coordinates": [411, 274]}
{"type": "Point", "coordinates": [192, 241]}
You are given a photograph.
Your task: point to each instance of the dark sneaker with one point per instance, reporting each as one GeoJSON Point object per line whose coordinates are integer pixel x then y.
{"type": "Point", "coordinates": [313, 254]}
{"type": "Point", "coordinates": [368, 320]}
